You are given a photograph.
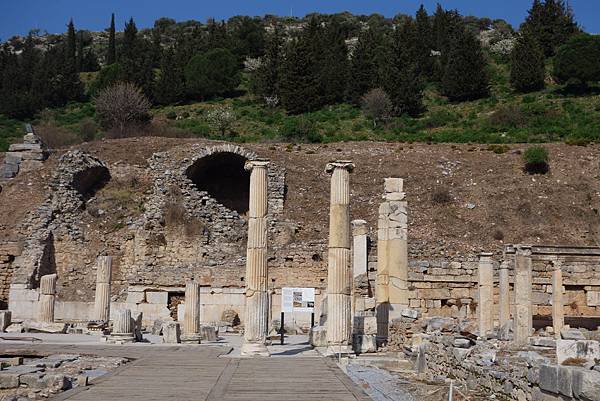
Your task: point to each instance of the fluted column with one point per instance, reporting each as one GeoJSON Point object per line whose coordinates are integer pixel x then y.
{"type": "Point", "coordinates": [47, 298]}
{"type": "Point", "coordinates": [485, 308]}
{"type": "Point", "coordinates": [191, 318]}
{"type": "Point", "coordinates": [257, 297]}
{"type": "Point", "coordinates": [504, 294]}
{"type": "Point", "coordinates": [382, 298]}
{"type": "Point", "coordinates": [339, 272]}
{"type": "Point", "coordinates": [123, 326]}
{"type": "Point", "coordinates": [523, 319]}
{"type": "Point", "coordinates": [558, 313]}
{"type": "Point", "coordinates": [102, 299]}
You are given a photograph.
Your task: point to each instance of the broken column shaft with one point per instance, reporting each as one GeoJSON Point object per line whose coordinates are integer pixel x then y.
{"type": "Point", "coordinates": [257, 291]}
{"type": "Point", "coordinates": [504, 294]}
{"type": "Point", "coordinates": [47, 298]}
{"type": "Point", "coordinates": [339, 271]}
{"type": "Point", "coordinates": [485, 308]}
{"type": "Point", "coordinates": [191, 318]}
{"type": "Point", "coordinates": [102, 299]}
{"type": "Point", "coordinates": [558, 314]}
{"type": "Point", "coordinates": [123, 326]}
{"type": "Point", "coordinates": [523, 318]}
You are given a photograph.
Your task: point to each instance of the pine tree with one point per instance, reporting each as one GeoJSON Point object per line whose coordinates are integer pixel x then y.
{"type": "Point", "coordinates": [551, 23]}
{"type": "Point", "coordinates": [334, 64]}
{"type": "Point", "coordinates": [266, 78]}
{"type": "Point", "coordinates": [111, 55]}
{"type": "Point", "coordinates": [424, 42]}
{"type": "Point", "coordinates": [465, 76]}
{"type": "Point", "coordinates": [403, 83]}
{"type": "Point", "coordinates": [136, 59]}
{"type": "Point", "coordinates": [170, 87]}
{"type": "Point", "coordinates": [448, 26]}
{"type": "Point", "coordinates": [527, 70]}
{"type": "Point", "coordinates": [364, 70]}
{"type": "Point", "coordinates": [299, 85]}
{"type": "Point", "coordinates": [80, 53]}
{"type": "Point", "coordinates": [71, 53]}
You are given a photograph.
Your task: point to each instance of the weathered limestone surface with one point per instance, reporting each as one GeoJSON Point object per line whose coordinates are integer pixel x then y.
{"type": "Point", "coordinates": [123, 327]}
{"type": "Point", "coordinates": [257, 298]}
{"type": "Point", "coordinates": [191, 318]}
{"type": "Point", "coordinates": [504, 294]}
{"type": "Point", "coordinates": [558, 314]}
{"type": "Point", "coordinates": [485, 308]}
{"type": "Point", "coordinates": [523, 321]}
{"type": "Point", "coordinates": [359, 247]}
{"type": "Point", "coordinates": [102, 300]}
{"type": "Point", "coordinates": [339, 273]}
{"type": "Point", "coordinates": [47, 298]}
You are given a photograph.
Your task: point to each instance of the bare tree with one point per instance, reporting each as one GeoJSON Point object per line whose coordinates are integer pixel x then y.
{"type": "Point", "coordinates": [376, 105]}
{"type": "Point", "coordinates": [121, 105]}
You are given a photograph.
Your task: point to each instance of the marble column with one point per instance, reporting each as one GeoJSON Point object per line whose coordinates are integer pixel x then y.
{"type": "Point", "coordinates": [256, 320]}
{"type": "Point", "coordinates": [339, 271]}
{"type": "Point", "coordinates": [504, 294]}
{"type": "Point", "coordinates": [123, 326]}
{"type": "Point", "coordinates": [523, 318]}
{"type": "Point", "coordinates": [485, 307]}
{"type": "Point", "coordinates": [47, 298]}
{"type": "Point", "coordinates": [383, 278]}
{"type": "Point", "coordinates": [102, 299]}
{"type": "Point", "coordinates": [558, 313]}
{"type": "Point", "coordinates": [359, 256]}
{"type": "Point", "coordinates": [191, 318]}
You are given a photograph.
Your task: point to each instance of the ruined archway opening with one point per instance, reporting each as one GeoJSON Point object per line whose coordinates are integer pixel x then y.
{"type": "Point", "coordinates": [87, 182]}
{"type": "Point", "coordinates": [223, 177]}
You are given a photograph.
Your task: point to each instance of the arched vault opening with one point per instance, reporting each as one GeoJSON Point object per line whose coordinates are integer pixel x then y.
{"type": "Point", "coordinates": [222, 175]}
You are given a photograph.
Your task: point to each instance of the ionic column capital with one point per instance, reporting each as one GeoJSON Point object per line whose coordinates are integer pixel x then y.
{"type": "Point", "coordinates": [256, 163]}
{"type": "Point", "coordinates": [524, 250]}
{"type": "Point", "coordinates": [347, 165]}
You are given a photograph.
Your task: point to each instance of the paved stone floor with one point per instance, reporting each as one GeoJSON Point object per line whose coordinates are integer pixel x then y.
{"type": "Point", "coordinates": [203, 372]}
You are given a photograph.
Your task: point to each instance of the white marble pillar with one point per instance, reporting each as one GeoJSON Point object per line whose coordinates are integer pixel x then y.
{"type": "Point", "coordinates": [257, 289]}
{"type": "Point", "coordinates": [359, 247]}
{"type": "Point", "coordinates": [523, 318]}
{"type": "Point", "coordinates": [191, 318]}
{"type": "Point", "coordinates": [485, 307]}
{"type": "Point", "coordinates": [339, 272]}
{"type": "Point", "coordinates": [558, 312]}
{"type": "Point", "coordinates": [47, 298]}
{"type": "Point", "coordinates": [123, 327]}
{"type": "Point", "coordinates": [504, 294]}
{"type": "Point", "coordinates": [102, 299]}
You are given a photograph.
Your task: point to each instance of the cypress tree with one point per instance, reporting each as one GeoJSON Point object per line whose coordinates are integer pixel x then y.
{"type": "Point", "coordinates": [299, 86]}
{"type": "Point", "coordinates": [424, 42]}
{"type": "Point", "coordinates": [364, 71]}
{"type": "Point", "coordinates": [527, 70]}
{"type": "Point", "coordinates": [334, 64]}
{"type": "Point", "coordinates": [266, 82]}
{"type": "Point", "coordinates": [170, 87]}
{"type": "Point", "coordinates": [136, 59]}
{"type": "Point", "coordinates": [71, 43]}
{"type": "Point", "coordinates": [80, 53]}
{"type": "Point", "coordinates": [403, 83]}
{"type": "Point", "coordinates": [551, 23]}
{"type": "Point", "coordinates": [111, 55]}
{"type": "Point", "coordinates": [465, 76]}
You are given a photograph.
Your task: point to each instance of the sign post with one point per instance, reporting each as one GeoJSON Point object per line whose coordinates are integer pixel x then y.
{"type": "Point", "coordinates": [297, 300]}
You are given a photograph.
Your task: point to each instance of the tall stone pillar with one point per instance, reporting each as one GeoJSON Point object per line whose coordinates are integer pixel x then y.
{"type": "Point", "coordinates": [359, 247]}
{"type": "Point", "coordinates": [257, 294]}
{"type": "Point", "coordinates": [191, 318]}
{"type": "Point", "coordinates": [523, 319]}
{"type": "Point", "coordinates": [504, 294]}
{"type": "Point", "coordinates": [485, 308]}
{"type": "Point", "coordinates": [339, 273]}
{"type": "Point", "coordinates": [47, 298]}
{"type": "Point", "coordinates": [123, 327]}
{"type": "Point", "coordinates": [382, 298]}
{"type": "Point", "coordinates": [102, 300]}
{"type": "Point", "coordinates": [558, 313]}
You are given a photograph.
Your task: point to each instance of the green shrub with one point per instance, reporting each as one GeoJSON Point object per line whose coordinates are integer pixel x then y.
{"type": "Point", "coordinates": [215, 73]}
{"type": "Point", "coordinates": [498, 149]}
{"type": "Point", "coordinates": [536, 160]}
{"type": "Point", "coordinates": [577, 62]}
{"type": "Point", "coordinates": [171, 115]}
{"type": "Point", "coordinates": [300, 129]}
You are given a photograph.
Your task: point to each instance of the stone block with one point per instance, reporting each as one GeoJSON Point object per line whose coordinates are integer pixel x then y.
{"type": "Point", "coordinates": [549, 378]}
{"type": "Point", "coordinates": [565, 381]}
{"type": "Point", "coordinates": [461, 343]}
{"type": "Point", "coordinates": [369, 303]}
{"type": "Point", "coordinates": [410, 313]}
{"type": "Point", "coordinates": [587, 350]}
{"type": "Point", "coordinates": [157, 297]}
{"type": "Point", "coordinates": [318, 336]}
{"type": "Point", "coordinates": [365, 324]}
{"type": "Point", "coordinates": [135, 297]}
{"type": "Point", "coordinates": [393, 185]}
{"type": "Point", "coordinates": [546, 342]}
{"type": "Point", "coordinates": [208, 333]}
{"type": "Point", "coordinates": [5, 316]}
{"type": "Point", "coordinates": [363, 344]}
{"type": "Point", "coordinates": [593, 298]}
{"type": "Point", "coordinates": [9, 380]}
{"type": "Point", "coordinates": [586, 384]}
{"type": "Point", "coordinates": [571, 334]}
{"type": "Point", "coordinates": [14, 328]}
{"type": "Point", "coordinates": [171, 333]}
{"type": "Point", "coordinates": [31, 326]}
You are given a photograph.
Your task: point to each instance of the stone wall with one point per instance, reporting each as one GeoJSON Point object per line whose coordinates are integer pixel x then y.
{"type": "Point", "coordinates": [8, 252]}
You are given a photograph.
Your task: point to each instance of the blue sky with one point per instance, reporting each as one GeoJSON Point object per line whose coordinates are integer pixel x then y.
{"type": "Point", "coordinates": [18, 17]}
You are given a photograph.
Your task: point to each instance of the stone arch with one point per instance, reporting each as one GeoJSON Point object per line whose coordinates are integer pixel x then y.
{"type": "Point", "coordinates": [87, 182]}
{"type": "Point", "coordinates": [219, 171]}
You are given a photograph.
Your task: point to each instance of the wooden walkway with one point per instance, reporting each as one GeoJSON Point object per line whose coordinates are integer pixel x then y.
{"type": "Point", "coordinates": [190, 373]}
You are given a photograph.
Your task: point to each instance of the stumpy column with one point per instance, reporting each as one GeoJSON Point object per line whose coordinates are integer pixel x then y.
{"type": "Point", "coordinates": [523, 321]}
{"type": "Point", "coordinates": [102, 300]}
{"type": "Point", "coordinates": [504, 295]}
{"type": "Point", "coordinates": [339, 271]}
{"type": "Point", "coordinates": [191, 317]}
{"type": "Point", "coordinates": [558, 313]}
{"type": "Point", "coordinates": [123, 327]}
{"type": "Point", "coordinates": [47, 298]}
{"type": "Point", "coordinates": [485, 309]}
{"type": "Point", "coordinates": [257, 295]}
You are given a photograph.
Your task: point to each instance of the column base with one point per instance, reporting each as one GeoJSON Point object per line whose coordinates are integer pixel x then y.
{"type": "Point", "coordinates": [120, 338]}
{"type": "Point", "coordinates": [195, 338]}
{"type": "Point", "coordinates": [254, 349]}
{"type": "Point", "coordinates": [342, 349]}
